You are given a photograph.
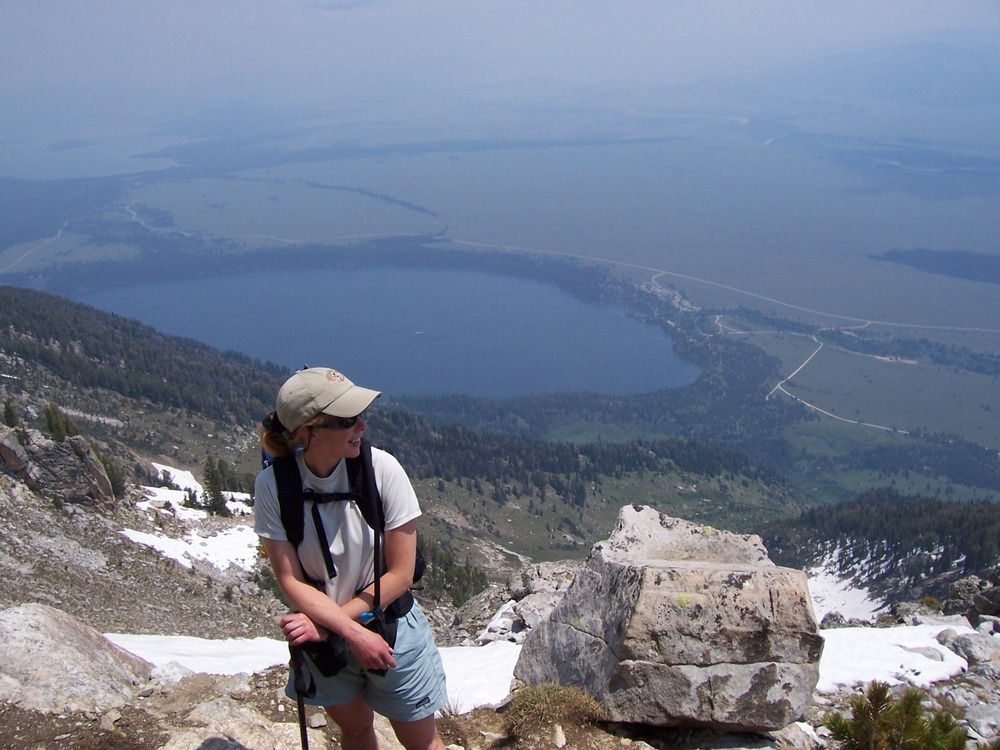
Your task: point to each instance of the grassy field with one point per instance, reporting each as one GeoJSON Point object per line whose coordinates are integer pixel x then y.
{"type": "Point", "coordinates": [905, 395]}
{"type": "Point", "coordinates": [551, 530]}
{"type": "Point", "coordinates": [819, 468]}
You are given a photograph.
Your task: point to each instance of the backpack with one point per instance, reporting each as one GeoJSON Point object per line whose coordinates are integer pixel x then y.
{"type": "Point", "coordinates": [363, 491]}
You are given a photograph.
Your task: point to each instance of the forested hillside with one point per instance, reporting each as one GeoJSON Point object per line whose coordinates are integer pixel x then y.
{"type": "Point", "coordinates": [93, 349]}
{"type": "Point", "coordinates": [900, 543]}
{"type": "Point", "coordinates": [554, 499]}
{"type": "Point", "coordinates": [945, 456]}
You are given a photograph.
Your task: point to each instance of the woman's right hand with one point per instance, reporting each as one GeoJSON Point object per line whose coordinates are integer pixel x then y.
{"type": "Point", "coordinates": [299, 628]}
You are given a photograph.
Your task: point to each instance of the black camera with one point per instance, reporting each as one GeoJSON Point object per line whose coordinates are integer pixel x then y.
{"type": "Point", "coordinates": [329, 656]}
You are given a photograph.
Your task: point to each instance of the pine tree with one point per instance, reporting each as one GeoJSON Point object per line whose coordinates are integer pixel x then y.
{"type": "Point", "coordinates": [879, 722]}
{"type": "Point", "coordinates": [58, 424]}
{"type": "Point", "coordinates": [215, 501]}
{"type": "Point", "coordinates": [13, 420]}
{"type": "Point", "coordinates": [10, 416]}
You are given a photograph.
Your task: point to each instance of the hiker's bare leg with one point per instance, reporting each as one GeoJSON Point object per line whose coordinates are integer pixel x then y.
{"type": "Point", "coordinates": [357, 724]}
{"type": "Point", "coordinates": [418, 735]}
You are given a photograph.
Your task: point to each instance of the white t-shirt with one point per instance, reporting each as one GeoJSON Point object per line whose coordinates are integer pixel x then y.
{"type": "Point", "coordinates": [350, 537]}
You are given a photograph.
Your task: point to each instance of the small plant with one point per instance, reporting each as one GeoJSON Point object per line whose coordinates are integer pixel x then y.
{"type": "Point", "coordinates": [537, 707]}
{"type": "Point", "coordinates": [880, 722]}
{"type": "Point", "coordinates": [58, 424]}
{"type": "Point", "coordinates": [10, 415]}
{"type": "Point", "coordinates": [116, 474]}
{"type": "Point", "coordinates": [451, 709]}
{"type": "Point", "coordinates": [932, 603]}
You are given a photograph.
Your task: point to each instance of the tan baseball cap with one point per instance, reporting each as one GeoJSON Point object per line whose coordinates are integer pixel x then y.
{"type": "Point", "coordinates": [320, 390]}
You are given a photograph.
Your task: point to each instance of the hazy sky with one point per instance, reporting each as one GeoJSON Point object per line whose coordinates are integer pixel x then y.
{"type": "Point", "coordinates": [742, 131]}
{"type": "Point", "coordinates": [121, 57]}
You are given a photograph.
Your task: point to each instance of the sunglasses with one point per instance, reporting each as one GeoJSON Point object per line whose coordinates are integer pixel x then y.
{"type": "Point", "coordinates": [336, 423]}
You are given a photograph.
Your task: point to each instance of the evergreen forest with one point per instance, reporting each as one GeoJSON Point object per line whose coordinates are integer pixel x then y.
{"type": "Point", "coordinates": [883, 535]}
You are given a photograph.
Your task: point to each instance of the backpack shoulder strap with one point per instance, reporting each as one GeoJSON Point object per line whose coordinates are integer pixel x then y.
{"type": "Point", "coordinates": [289, 481]}
{"type": "Point", "coordinates": [364, 488]}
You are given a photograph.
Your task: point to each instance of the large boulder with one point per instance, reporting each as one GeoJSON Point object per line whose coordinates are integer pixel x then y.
{"type": "Point", "coordinates": [53, 663]}
{"type": "Point", "coordinates": [70, 471]}
{"type": "Point", "coordinates": [675, 624]}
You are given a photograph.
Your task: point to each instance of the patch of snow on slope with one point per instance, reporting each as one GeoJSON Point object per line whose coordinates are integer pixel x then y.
{"type": "Point", "coordinates": [831, 593]}
{"type": "Point", "coordinates": [905, 654]}
{"type": "Point", "coordinates": [183, 479]}
{"type": "Point", "coordinates": [237, 545]}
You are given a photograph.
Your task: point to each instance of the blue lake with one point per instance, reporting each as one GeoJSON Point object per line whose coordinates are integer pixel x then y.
{"type": "Point", "coordinates": [413, 332]}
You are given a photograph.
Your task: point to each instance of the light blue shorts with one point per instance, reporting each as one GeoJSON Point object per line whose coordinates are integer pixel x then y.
{"type": "Point", "coordinates": [413, 689]}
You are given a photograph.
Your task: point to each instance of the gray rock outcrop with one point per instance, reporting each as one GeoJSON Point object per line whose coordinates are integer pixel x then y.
{"type": "Point", "coordinates": [67, 470]}
{"type": "Point", "coordinates": [535, 590]}
{"type": "Point", "coordinates": [53, 663]}
{"type": "Point", "coordinates": [71, 471]}
{"type": "Point", "coordinates": [975, 648]}
{"type": "Point", "coordinates": [974, 597]}
{"type": "Point", "coordinates": [987, 602]}
{"type": "Point", "coordinates": [13, 458]}
{"type": "Point", "coordinates": [675, 624]}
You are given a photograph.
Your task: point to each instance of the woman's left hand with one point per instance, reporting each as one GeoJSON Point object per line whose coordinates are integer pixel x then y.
{"type": "Point", "coordinates": [299, 629]}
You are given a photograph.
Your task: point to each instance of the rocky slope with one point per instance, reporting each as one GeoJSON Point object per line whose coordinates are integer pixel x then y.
{"type": "Point", "coordinates": [73, 556]}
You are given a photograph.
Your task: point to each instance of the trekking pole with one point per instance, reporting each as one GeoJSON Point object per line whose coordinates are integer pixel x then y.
{"type": "Point", "coordinates": [298, 680]}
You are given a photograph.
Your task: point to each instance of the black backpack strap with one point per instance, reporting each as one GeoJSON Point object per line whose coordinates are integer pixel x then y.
{"type": "Point", "coordinates": [291, 503]}
{"type": "Point", "coordinates": [289, 481]}
{"type": "Point", "coordinates": [364, 488]}
{"type": "Point", "coordinates": [324, 543]}
{"type": "Point", "coordinates": [362, 477]}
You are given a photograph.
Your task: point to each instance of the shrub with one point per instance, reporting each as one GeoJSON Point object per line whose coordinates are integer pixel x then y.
{"type": "Point", "coordinates": [932, 603]}
{"type": "Point", "coordinates": [879, 722]}
{"type": "Point", "coordinates": [10, 416]}
{"type": "Point", "coordinates": [58, 424]}
{"type": "Point", "coordinates": [538, 706]}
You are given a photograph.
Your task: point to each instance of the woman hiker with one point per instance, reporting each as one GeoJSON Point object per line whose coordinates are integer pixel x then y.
{"type": "Point", "coordinates": [318, 423]}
